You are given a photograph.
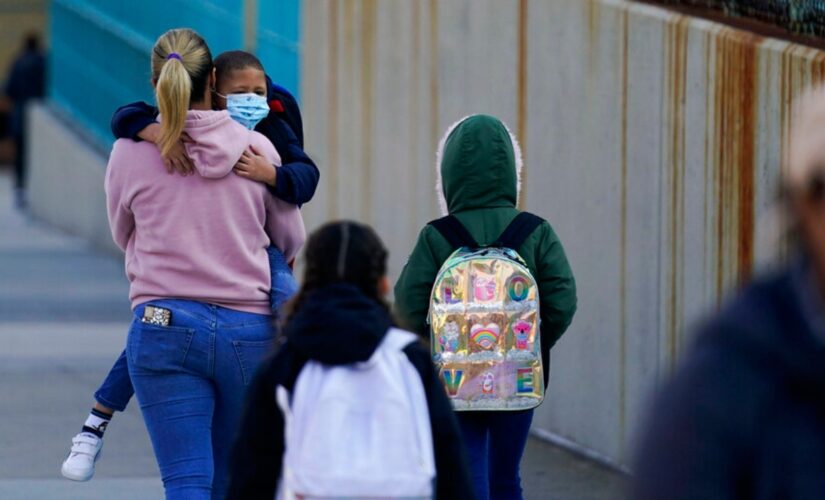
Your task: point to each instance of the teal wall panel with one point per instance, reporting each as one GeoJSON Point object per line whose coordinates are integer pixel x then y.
{"type": "Point", "coordinates": [278, 41]}
{"type": "Point", "coordinates": [101, 48]}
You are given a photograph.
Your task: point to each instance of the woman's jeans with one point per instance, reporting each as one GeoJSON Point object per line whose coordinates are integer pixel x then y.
{"type": "Point", "coordinates": [495, 442]}
{"type": "Point", "coordinates": [190, 379]}
{"type": "Point", "coordinates": [116, 390]}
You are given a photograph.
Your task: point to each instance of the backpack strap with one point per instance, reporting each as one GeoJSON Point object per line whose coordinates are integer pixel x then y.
{"type": "Point", "coordinates": [518, 231]}
{"type": "Point", "coordinates": [454, 232]}
{"type": "Point", "coordinates": [398, 340]}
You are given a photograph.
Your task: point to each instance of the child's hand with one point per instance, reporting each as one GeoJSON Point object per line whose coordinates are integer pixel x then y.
{"type": "Point", "coordinates": [256, 167]}
{"type": "Point", "coordinates": [177, 160]}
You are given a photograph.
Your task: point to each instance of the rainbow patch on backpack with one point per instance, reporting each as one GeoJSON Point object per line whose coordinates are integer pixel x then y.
{"type": "Point", "coordinates": [485, 336]}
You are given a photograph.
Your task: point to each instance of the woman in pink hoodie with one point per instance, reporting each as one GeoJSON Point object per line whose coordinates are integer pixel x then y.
{"type": "Point", "coordinates": [197, 263]}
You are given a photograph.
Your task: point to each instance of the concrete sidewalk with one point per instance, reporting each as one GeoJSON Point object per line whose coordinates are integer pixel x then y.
{"type": "Point", "coordinates": [64, 313]}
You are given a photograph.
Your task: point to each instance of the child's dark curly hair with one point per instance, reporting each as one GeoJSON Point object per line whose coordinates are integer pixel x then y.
{"type": "Point", "coordinates": [233, 60]}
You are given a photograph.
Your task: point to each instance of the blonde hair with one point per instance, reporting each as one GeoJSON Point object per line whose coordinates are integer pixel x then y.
{"type": "Point", "coordinates": [181, 65]}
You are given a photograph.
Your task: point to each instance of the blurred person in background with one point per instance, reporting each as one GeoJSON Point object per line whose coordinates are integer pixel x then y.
{"type": "Point", "coordinates": [26, 81]}
{"type": "Point", "coordinates": [744, 415]}
{"type": "Point", "coordinates": [6, 143]}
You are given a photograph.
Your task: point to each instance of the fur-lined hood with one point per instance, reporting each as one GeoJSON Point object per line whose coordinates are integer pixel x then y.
{"type": "Point", "coordinates": [478, 165]}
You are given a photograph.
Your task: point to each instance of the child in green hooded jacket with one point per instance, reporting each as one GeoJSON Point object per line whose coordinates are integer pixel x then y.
{"type": "Point", "coordinates": [479, 167]}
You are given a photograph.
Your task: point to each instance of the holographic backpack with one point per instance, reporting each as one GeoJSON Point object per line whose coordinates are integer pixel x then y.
{"type": "Point", "coordinates": [484, 320]}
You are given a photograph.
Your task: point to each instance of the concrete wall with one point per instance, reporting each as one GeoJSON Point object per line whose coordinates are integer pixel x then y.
{"type": "Point", "coordinates": [66, 172]}
{"type": "Point", "coordinates": [653, 143]}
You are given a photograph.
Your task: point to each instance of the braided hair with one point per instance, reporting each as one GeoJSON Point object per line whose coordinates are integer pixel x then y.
{"type": "Point", "coordinates": [342, 252]}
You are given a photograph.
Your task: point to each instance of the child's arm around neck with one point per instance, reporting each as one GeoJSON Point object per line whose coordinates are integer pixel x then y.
{"type": "Point", "coordinates": [129, 120]}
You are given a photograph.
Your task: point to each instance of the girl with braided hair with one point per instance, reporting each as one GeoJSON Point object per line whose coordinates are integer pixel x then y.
{"type": "Point", "coordinates": [339, 318]}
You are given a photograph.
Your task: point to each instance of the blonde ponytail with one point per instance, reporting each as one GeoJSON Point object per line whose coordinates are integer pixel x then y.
{"type": "Point", "coordinates": [173, 92]}
{"type": "Point", "coordinates": [181, 64]}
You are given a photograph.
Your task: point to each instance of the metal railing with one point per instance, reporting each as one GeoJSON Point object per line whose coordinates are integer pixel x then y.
{"type": "Point", "coordinates": [802, 17]}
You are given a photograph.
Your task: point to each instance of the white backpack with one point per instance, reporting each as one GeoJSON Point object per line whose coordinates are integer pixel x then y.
{"type": "Point", "coordinates": [360, 430]}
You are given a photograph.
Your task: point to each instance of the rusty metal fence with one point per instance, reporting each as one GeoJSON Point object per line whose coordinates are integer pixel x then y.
{"type": "Point", "coordinates": [802, 17]}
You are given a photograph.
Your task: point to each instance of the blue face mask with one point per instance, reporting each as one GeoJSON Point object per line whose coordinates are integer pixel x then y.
{"type": "Point", "coordinates": [247, 109]}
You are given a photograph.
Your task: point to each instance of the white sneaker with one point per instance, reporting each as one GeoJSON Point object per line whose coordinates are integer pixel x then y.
{"type": "Point", "coordinates": [80, 464]}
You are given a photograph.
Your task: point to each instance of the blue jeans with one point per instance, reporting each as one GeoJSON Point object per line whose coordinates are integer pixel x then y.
{"type": "Point", "coordinates": [190, 379]}
{"type": "Point", "coordinates": [116, 390]}
{"type": "Point", "coordinates": [283, 281]}
{"type": "Point", "coordinates": [495, 443]}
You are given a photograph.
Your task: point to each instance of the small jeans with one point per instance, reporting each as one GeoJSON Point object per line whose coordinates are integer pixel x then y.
{"type": "Point", "coordinates": [283, 284]}
{"type": "Point", "coordinates": [116, 390]}
{"type": "Point", "coordinates": [190, 379]}
{"type": "Point", "coordinates": [495, 443]}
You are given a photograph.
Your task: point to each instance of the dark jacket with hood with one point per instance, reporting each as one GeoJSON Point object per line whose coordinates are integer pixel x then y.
{"type": "Point", "coordinates": [744, 416]}
{"type": "Point", "coordinates": [336, 325]}
{"type": "Point", "coordinates": [298, 175]}
{"type": "Point", "coordinates": [479, 171]}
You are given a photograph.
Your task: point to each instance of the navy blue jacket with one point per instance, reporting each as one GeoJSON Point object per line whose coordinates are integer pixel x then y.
{"type": "Point", "coordinates": [298, 176]}
{"type": "Point", "coordinates": [27, 80]}
{"type": "Point", "coordinates": [335, 325]}
{"type": "Point", "coordinates": [744, 416]}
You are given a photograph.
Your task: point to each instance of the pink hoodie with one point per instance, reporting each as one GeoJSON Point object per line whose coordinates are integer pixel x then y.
{"type": "Point", "coordinates": [201, 237]}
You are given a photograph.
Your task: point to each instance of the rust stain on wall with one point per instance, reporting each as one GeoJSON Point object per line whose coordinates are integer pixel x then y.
{"type": "Point", "coordinates": [522, 92]}
{"type": "Point", "coordinates": [676, 68]}
{"type": "Point", "coordinates": [745, 108]}
{"type": "Point", "coordinates": [817, 70]}
{"type": "Point", "coordinates": [592, 12]}
{"type": "Point", "coordinates": [710, 146]}
{"type": "Point", "coordinates": [332, 114]}
{"type": "Point", "coordinates": [349, 162]}
{"type": "Point", "coordinates": [785, 93]}
{"type": "Point", "coordinates": [368, 19]}
{"type": "Point", "coordinates": [623, 243]}
{"type": "Point", "coordinates": [414, 108]}
{"type": "Point", "coordinates": [433, 60]}
{"type": "Point", "coordinates": [735, 113]}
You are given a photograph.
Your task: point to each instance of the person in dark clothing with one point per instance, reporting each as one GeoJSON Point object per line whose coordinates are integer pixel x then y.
{"type": "Point", "coordinates": [297, 177]}
{"type": "Point", "coordinates": [337, 318]}
{"type": "Point", "coordinates": [744, 415]}
{"type": "Point", "coordinates": [26, 81]}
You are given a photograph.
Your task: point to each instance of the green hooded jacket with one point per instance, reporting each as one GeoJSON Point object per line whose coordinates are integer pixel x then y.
{"type": "Point", "coordinates": [479, 166]}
